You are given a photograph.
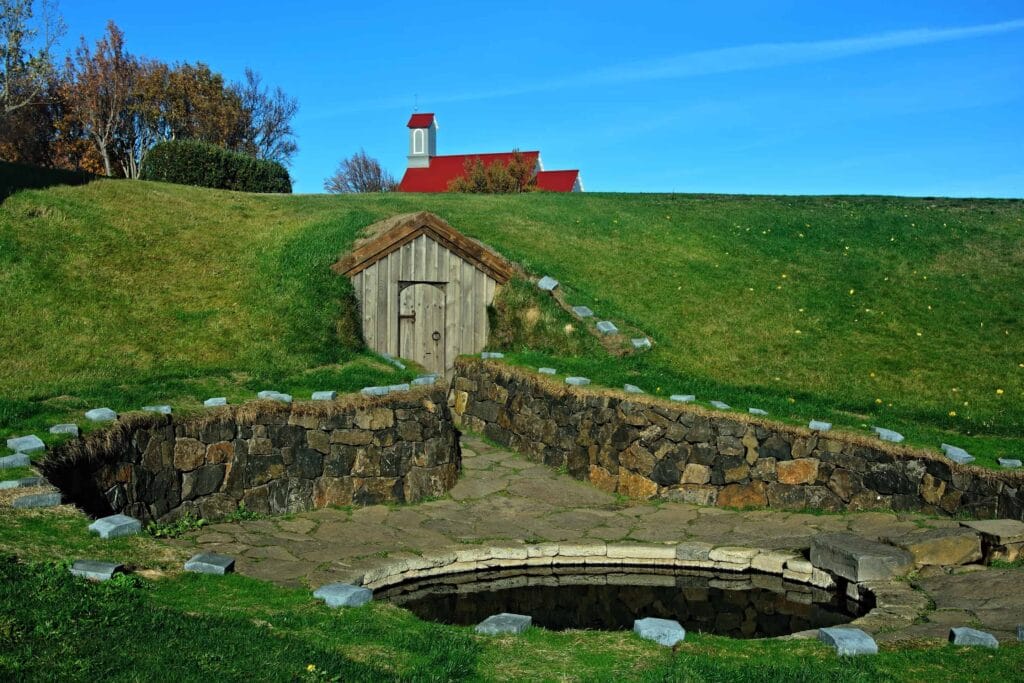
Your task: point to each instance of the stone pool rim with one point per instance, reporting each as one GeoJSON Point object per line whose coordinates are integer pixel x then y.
{"type": "Point", "coordinates": [896, 603]}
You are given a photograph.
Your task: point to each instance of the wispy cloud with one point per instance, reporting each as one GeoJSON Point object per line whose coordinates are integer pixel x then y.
{"type": "Point", "coordinates": [723, 60]}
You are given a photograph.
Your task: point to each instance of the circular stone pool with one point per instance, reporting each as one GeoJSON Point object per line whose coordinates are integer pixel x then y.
{"type": "Point", "coordinates": [611, 598]}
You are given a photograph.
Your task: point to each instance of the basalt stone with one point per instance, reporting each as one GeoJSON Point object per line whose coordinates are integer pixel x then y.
{"type": "Point", "coordinates": [160, 410]}
{"type": "Point", "coordinates": [582, 311]}
{"type": "Point", "coordinates": [848, 641]}
{"type": "Point", "coordinates": [775, 447]}
{"type": "Point", "coordinates": [37, 500]}
{"type": "Point", "coordinates": [9, 462]}
{"type": "Point", "coordinates": [343, 595]}
{"type": "Point", "coordinates": [216, 401]}
{"type": "Point", "coordinates": [547, 283]}
{"type": "Point", "coordinates": [888, 480]}
{"type": "Point", "coordinates": [888, 435]}
{"type": "Point", "coordinates": [665, 632]}
{"type": "Point", "coordinates": [504, 623]}
{"type": "Point", "coordinates": [721, 405]}
{"type": "Point", "coordinates": [632, 389]}
{"type": "Point", "coordinates": [210, 563]}
{"type": "Point", "coordinates": [95, 570]}
{"type": "Point", "coordinates": [116, 526]}
{"type": "Point", "coordinates": [201, 482]}
{"type": "Point", "coordinates": [101, 415]}
{"type": "Point", "coordinates": [942, 547]}
{"type": "Point", "coordinates": [607, 327]}
{"type": "Point", "coordinates": [819, 426]}
{"type": "Point", "coordinates": [683, 398]}
{"type": "Point", "coordinates": [324, 395]}
{"type": "Point", "coordinates": [68, 428]}
{"type": "Point", "coordinates": [26, 444]}
{"type": "Point", "coordinates": [547, 371]}
{"type": "Point", "coordinates": [641, 343]}
{"type": "Point", "coordinates": [858, 559]}
{"type": "Point", "coordinates": [962, 635]}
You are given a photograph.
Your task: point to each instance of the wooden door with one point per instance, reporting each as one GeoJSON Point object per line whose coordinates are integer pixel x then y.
{"type": "Point", "coordinates": [421, 318]}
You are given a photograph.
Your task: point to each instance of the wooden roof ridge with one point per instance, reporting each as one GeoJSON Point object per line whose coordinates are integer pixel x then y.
{"type": "Point", "coordinates": [397, 231]}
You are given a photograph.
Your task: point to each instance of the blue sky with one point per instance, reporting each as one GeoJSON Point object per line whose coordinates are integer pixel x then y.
{"type": "Point", "coordinates": [891, 97]}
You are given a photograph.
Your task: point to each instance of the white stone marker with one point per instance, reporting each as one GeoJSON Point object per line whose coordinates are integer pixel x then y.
{"type": "Point", "coordinates": [962, 635]}
{"type": "Point", "coordinates": [683, 398]}
{"type": "Point", "coordinates": [95, 570]}
{"type": "Point", "coordinates": [757, 411]}
{"type": "Point", "coordinates": [116, 526]}
{"type": "Point", "coordinates": [487, 355]}
{"type": "Point", "coordinates": [848, 641]}
{"type": "Point", "coordinates": [547, 371]}
{"type": "Point", "coordinates": [607, 327]}
{"type": "Point", "coordinates": [632, 389]}
{"type": "Point", "coordinates": [577, 381]}
{"type": "Point", "coordinates": [26, 444]}
{"type": "Point", "coordinates": [583, 311]}
{"type": "Point", "coordinates": [216, 401]}
{"type": "Point", "coordinates": [641, 343]}
{"type": "Point", "coordinates": [9, 462]}
{"type": "Point", "coordinates": [101, 415]}
{"type": "Point", "coordinates": [162, 410]}
{"type": "Point", "coordinates": [720, 405]}
{"type": "Point", "coordinates": [498, 624]}
{"type": "Point", "coordinates": [547, 283]}
{"type": "Point", "coordinates": [819, 426]}
{"type": "Point", "coordinates": [343, 595]}
{"type": "Point", "coordinates": [210, 563]}
{"type": "Point", "coordinates": [67, 428]}
{"type": "Point", "coordinates": [957, 454]}
{"type": "Point", "coordinates": [665, 632]}
{"type": "Point", "coordinates": [888, 435]}
{"type": "Point", "coordinates": [324, 395]}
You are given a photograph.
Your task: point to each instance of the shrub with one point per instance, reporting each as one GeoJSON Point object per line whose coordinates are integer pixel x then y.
{"type": "Point", "coordinates": [191, 162]}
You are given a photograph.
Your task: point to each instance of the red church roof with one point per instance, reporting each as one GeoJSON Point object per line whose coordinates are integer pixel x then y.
{"type": "Point", "coordinates": [420, 121]}
{"type": "Point", "coordinates": [444, 169]}
{"type": "Point", "coordinates": [557, 181]}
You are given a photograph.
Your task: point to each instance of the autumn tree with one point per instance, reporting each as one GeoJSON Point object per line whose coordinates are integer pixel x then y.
{"type": "Point", "coordinates": [29, 29]}
{"type": "Point", "coordinates": [100, 91]}
{"type": "Point", "coordinates": [360, 173]}
{"type": "Point", "coordinates": [496, 177]}
{"type": "Point", "coordinates": [268, 132]}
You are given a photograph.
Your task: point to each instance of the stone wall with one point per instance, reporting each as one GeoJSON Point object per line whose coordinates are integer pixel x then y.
{"type": "Point", "coordinates": [645, 447]}
{"type": "Point", "coordinates": [272, 457]}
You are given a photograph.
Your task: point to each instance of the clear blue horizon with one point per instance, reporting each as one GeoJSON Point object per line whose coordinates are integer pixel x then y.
{"type": "Point", "coordinates": [898, 98]}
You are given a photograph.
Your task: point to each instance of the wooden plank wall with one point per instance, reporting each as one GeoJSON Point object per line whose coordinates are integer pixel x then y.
{"type": "Point", "coordinates": [468, 292]}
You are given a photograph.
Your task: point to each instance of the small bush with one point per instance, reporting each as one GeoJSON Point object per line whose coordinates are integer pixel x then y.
{"type": "Point", "coordinates": [191, 162]}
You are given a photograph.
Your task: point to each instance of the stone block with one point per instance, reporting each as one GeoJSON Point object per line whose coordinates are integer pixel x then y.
{"type": "Point", "coordinates": [942, 547]}
{"type": "Point", "coordinates": [9, 462]}
{"type": "Point", "coordinates": [848, 641]}
{"type": "Point", "coordinates": [547, 371]}
{"type": "Point", "coordinates": [210, 563]}
{"type": "Point", "coordinates": [998, 531]}
{"type": "Point", "coordinates": [802, 471]}
{"type": "Point", "coordinates": [324, 395]}
{"type": "Point", "coordinates": [100, 415]}
{"type": "Point", "coordinates": [1010, 463]}
{"type": "Point", "coordinates": [37, 500]}
{"type": "Point", "coordinates": [160, 410]}
{"type": "Point", "coordinates": [962, 635]}
{"type": "Point", "coordinates": [116, 526]}
{"type": "Point", "coordinates": [577, 381]}
{"type": "Point", "coordinates": [492, 355]}
{"type": "Point", "coordinates": [374, 391]}
{"type": "Point", "coordinates": [583, 311]}
{"type": "Point", "coordinates": [721, 405]}
{"type": "Point", "coordinates": [67, 428]}
{"type": "Point", "coordinates": [499, 624]}
{"type": "Point", "coordinates": [547, 283]}
{"type": "Point", "coordinates": [819, 426]}
{"type": "Point", "coordinates": [424, 380]}
{"type": "Point", "coordinates": [95, 570]}
{"type": "Point", "coordinates": [683, 398]}
{"type": "Point", "coordinates": [627, 551]}
{"type": "Point", "coordinates": [641, 343]}
{"type": "Point", "coordinates": [957, 454]}
{"type": "Point", "coordinates": [858, 559]}
{"type": "Point", "coordinates": [757, 411]}
{"type": "Point", "coordinates": [343, 595]}
{"type": "Point", "coordinates": [632, 389]}
{"type": "Point", "coordinates": [696, 474]}
{"type": "Point", "coordinates": [217, 401]}
{"type": "Point", "coordinates": [26, 444]}
{"type": "Point", "coordinates": [665, 632]}
{"type": "Point", "coordinates": [733, 555]}
{"type": "Point", "coordinates": [607, 327]}
{"type": "Point", "coordinates": [23, 483]}
{"type": "Point", "coordinates": [888, 435]}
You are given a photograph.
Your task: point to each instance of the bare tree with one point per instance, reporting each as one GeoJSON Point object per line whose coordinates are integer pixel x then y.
{"type": "Point", "coordinates": [29, 29]}
{"type": "Point", "coordinates": [269, 134]}
{"type": "Point", "coordinates": [101, 90]}
{"type": "Point", "coordinates": [360, 173]}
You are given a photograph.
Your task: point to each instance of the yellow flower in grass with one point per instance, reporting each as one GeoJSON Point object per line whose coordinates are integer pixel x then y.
{"type": "Point", "coordinates": [952, 413]}
{"type": "Point", "coordinates": [999, 392]}
{"type": "Point", "coordinates": [878, 401]}
{"type": "Point", "coordinates": [311, 668]}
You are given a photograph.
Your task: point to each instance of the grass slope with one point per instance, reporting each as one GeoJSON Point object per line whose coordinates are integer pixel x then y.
{"type": "Point", "coordinates": [860, 310]}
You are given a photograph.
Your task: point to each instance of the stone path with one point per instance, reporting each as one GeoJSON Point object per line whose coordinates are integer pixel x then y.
{"type": "Point", "coordinates": [503, 499]}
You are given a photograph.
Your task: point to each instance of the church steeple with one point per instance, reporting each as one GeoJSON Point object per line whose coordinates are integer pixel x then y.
{"type": "Point", "coordinates": [422, 140]}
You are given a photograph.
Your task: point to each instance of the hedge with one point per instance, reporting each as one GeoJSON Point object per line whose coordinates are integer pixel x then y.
{"type": "Point", "coordinates": [191, 162]}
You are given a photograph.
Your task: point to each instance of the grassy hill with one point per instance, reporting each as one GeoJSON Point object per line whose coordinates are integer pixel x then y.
{"type": "Point", "coordinates": [904, 313]}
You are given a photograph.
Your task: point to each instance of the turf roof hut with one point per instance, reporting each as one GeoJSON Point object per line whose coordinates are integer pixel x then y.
{"type": "Point", "coordinates": [424, 289]}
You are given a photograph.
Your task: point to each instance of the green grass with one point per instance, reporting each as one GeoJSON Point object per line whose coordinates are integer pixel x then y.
{"type": "Point", "coordinates": [127, 293]}
{"type": "Point", "coordinates": [193, 628]}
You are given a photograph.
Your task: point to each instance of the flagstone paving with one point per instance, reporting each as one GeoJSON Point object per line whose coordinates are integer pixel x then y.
{"type": "Point", "coordinates": [502, 499]}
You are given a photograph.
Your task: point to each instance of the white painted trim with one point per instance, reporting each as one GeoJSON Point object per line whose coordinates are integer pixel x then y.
{"type": "Point", "coordinates": [419, 136]}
